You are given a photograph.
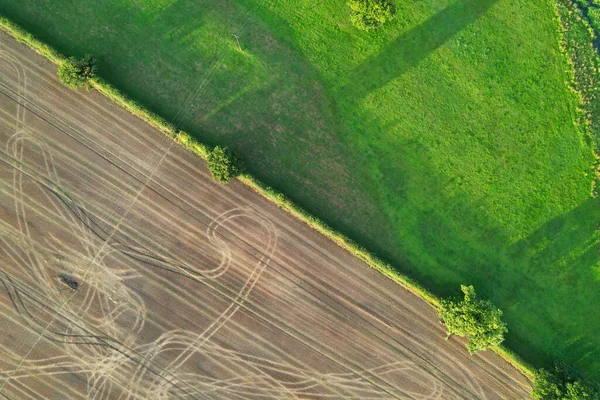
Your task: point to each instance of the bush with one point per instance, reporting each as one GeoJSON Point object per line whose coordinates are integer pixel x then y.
{"type": "Point", "coordinates": [224, 164]}
{"type": "Point", "coordinates": [477, 320]}
{"type": "Point", "coordinates": [77, 73]}
{"type": "Point", "coordinates": [561, 384]}
{"type": "Point", "coordinates": [370, 14]}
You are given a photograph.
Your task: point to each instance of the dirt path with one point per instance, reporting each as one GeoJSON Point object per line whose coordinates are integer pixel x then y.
{"type": "Point", "coordinates": [128, 273]}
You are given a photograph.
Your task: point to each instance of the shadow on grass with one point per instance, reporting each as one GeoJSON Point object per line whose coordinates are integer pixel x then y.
{"type": "Point", "coordinates": [169, 23]}
{"type": "Point", "coordinates": [560, 288]}
{"type": "Point", "coordinates": [412, 47]}
{"type": "Point", "coordinates": [559, 237]}
{"type": "Point", "coordinates": [547, 283]}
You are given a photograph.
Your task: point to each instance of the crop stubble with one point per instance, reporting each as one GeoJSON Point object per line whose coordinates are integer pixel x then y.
{"type": "Point", "coordinates": [128, 273]}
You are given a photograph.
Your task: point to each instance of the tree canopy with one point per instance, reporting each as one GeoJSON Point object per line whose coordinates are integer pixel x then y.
{"type": "Point", "coordinates": [370, 14]}
{"type": "Point", "coordinates": [224, 164]}
{"type": "Point", "coordinates": [562, 384]}
{"type": "Point", "coordinates": [476, 319]}
{"type": "Point", "coordinates": [77, 73]}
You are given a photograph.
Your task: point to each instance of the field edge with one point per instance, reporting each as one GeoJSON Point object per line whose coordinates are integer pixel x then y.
{"type": "Point", "coordinates": [187, 141]}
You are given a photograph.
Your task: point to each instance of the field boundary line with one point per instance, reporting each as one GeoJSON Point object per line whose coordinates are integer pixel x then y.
{"type": "Point", "coordinates": [200, 149]}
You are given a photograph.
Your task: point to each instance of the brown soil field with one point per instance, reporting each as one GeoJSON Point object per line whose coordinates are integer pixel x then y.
{"type": "Point", "coordinates": [127, 273]}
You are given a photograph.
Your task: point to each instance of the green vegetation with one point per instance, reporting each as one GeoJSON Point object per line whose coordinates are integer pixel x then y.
{"type": "Point", "coordinates": [77, 73]}
{"type": "Point", "coordinates": [562, 384]}
{"type": "Point", "coordinates": [445, 142]}
{"type": "Point", "coordinates": [370, 14]}
{"type": "Point", "coordinates": [224, 164]}
{"type": "Point", "coordinates": [476, 319]}
{"type": "Point", "coordinates": [591, 12]}
{"type": "Point", "coordinates": [580, 34]}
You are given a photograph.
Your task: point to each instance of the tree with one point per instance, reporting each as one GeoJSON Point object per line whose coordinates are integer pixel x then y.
{"type": "Point", "coordinates": [477, 320]}
{"type": "Point", "coordinates": [579, 391]}
{"type": "Point", "coordinates": [224, 164]}
{"type": "Point", "coordinates": [563, 383]}
{"type": "Point", "coordinates": [546, 386]}
{"type": "Point", "coordinates": [370, 14]}
{"type": "Point", "coordinates": [77, 73]}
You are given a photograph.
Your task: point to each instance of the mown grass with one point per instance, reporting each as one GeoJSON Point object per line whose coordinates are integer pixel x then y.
{"type": "Point", "coordinates": [446, 143]}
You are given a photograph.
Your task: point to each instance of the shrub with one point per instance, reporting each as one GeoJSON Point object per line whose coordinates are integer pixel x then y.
{"type": "Point", "coordinates": [561, 384]}
{"type": "Point", "coordinates": [477, 320]}
{"type": "Point", "coordinates": [224, 164]}
{"type": "Point", "coordinates": [77, 73]}
{"type": "Point", "coordinates": [370, 14]}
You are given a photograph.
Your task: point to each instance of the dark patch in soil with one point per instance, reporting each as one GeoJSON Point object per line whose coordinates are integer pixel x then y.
{"type": "Point", "coordinates": [69, 280]}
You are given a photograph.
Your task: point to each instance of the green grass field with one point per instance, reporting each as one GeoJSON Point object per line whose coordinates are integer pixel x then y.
{"type": "Point", "coordinates": [445, 142]}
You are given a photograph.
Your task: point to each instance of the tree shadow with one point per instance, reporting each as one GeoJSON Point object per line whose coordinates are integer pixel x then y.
{"type": "Point", "coordinates": [559, 266]}
{"type": "Point", "coordinates": [557, 238]}
{"type": "Point", "coordinates": [412, 47]}
{"type": "Point", "coordinates": [547, 283]}
{"type": "Point", "coordinates": [169, 21]}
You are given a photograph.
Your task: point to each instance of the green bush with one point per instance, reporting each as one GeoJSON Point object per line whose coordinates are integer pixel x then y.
{"type": "Point", "coordinates": [370, 14]}
{"type": "Point", "coordinates": [561, 384]}
{"type": "Point", "coordinates": [77, 73]}
{"type": "Point", "coordinates": [224, 164]}
{"type": "Point", "coordinates": [477, 320]}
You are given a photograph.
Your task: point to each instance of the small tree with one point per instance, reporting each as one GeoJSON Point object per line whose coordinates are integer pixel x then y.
{"type": "Point", "coordinates": [77, 73]}
{"type": "Point", "coordinates": [224, 164]}
{"type": "Point", "coordinates": [546, 386]}
{"type": "Point", "coordinates": [370, 14]}
{"type": "Point", "coordinates": [477, 320]}
{"type": "Point", "coordinates": [561, 384]}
